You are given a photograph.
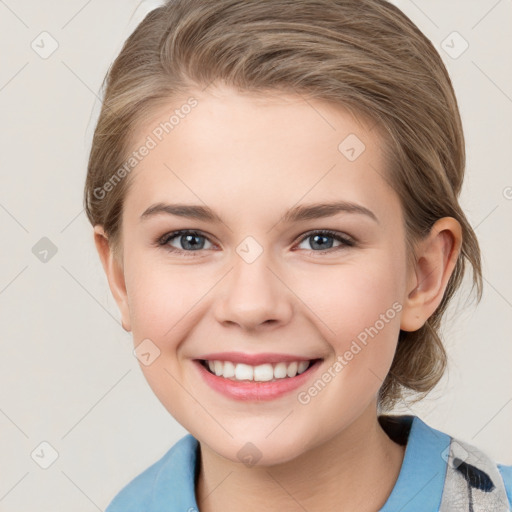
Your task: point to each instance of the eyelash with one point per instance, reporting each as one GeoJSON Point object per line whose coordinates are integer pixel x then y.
{"type": "Point", "coordinates": [165, 239]}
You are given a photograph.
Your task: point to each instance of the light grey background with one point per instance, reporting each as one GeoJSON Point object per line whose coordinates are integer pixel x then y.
{"type": "Point", "coordinates": [68, 375]}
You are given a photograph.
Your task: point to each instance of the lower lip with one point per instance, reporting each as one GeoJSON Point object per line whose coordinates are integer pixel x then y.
{"type": "Point", "coordinates": [255, 391]}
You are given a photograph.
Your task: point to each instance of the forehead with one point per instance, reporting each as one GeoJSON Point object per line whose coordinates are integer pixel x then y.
{"type": "Point", "coordinates": [237, 150]}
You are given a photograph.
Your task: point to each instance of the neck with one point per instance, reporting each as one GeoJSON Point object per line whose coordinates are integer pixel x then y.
{"type": "Point", "coordinates": [354, 470]}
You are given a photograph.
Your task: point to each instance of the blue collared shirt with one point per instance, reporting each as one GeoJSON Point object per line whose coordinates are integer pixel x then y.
{"type": "Point", "coordinates": [438, 473]}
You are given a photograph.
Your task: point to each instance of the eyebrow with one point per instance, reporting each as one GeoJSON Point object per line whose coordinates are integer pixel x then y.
{"type": "Point", "coordinates": [295, 214]}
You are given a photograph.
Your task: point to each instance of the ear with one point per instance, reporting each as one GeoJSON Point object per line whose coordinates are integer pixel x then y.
{"type": "Point", "coordinates": [436, 256]}
{"type": "Point", "coordinates": [115, 274]}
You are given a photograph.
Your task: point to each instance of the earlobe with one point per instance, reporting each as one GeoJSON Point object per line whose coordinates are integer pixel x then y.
{"type": "Point", "coordinates": [436, 257]}
{"type": "Point", "coordinates": [115, 274]}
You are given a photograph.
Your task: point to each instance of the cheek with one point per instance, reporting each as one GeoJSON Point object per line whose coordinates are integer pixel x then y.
{"type": "Point", "coordinates": [359, 311]}
{"type": "Point", "coordinates": [352, 298]}
{"type": "Point", "coordinates": [164, 307]}
{"type": "Point", "coordinates": [359, 307]}
{"type": "Point", "coordinates": [161, 296]}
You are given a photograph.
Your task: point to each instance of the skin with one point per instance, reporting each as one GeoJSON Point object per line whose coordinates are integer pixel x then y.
{"type": "Point", "coordinates": [250, 158]}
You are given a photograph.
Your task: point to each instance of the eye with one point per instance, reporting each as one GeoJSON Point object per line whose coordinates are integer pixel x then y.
{"type": "Point", "coordinates": [320, 240]}
{"type": "Point", "coordinates": [190, 241]}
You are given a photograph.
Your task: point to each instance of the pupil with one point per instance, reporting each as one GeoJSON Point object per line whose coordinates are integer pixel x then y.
{"type": "Point", "coordinates": [316, 237]}
{"type": "Point", "coordinates": [189, 240]}
{"type": "Point", "coordinates": [317, 240]}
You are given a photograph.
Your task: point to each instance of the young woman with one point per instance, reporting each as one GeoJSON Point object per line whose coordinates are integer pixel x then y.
{"type": "Point", "coordinates": [274, 189]}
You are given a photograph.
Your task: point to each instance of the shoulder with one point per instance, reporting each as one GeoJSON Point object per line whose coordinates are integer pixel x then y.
{"type": "Point", "coordinates": [506, 474]}
{"type": "Point", "coordinates": [444, 473]}
{"type": "Point", "coordinates": [473, 479]}
{"type": "Point", "coordinates": [173, 472]}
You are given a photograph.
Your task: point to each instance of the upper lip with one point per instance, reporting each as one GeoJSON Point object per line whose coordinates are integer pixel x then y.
{"type": "Point", "coordinates": [254, 359]}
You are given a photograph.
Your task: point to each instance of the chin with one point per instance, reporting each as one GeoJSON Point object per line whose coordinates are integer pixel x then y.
{"type": "Point", "coordinates": [257, 450]}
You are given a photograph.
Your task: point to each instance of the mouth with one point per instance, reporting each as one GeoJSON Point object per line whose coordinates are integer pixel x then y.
{"type": "Point", "coordinates": [263, 382]}
{"type": "Point", "coordinates": [267, 372]}
{"type": "Point", "coordinates": [255, 377]}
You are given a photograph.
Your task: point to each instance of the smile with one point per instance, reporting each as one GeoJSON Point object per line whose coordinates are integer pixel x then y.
{"type": "Point", "coordinates": [261, 373]}
{"type": "Point", "coordinates": [270, 377]}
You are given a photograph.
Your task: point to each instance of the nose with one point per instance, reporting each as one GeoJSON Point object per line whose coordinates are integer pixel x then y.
{"type": "Point", "coordinates": [254, 297]}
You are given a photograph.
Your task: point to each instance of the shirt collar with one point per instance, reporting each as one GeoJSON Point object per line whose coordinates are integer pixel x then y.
{"type": "Point", "coordinates": [174, 488]}
{"type": "Point", "coordinates": [419, 485]}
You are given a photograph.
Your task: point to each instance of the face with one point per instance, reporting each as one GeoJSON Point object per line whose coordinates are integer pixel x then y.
{"type": "Point", "coordinates": [271, 276]}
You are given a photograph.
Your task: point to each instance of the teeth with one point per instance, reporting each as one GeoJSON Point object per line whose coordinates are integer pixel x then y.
{"type": "Point", "coordinates": [229, 369]}
{"type": "Point", "coordinates": [291, 371]}
{"type": "Point", "coordinates": [280, 370]}
{"type": "Point", "coordinates": [261, 373]}
{"type": "Point", "coordinates": [302, 366]}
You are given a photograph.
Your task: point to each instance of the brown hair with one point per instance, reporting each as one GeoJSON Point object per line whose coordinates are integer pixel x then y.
{"type": "Point", "coordinates": [365, 55]}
